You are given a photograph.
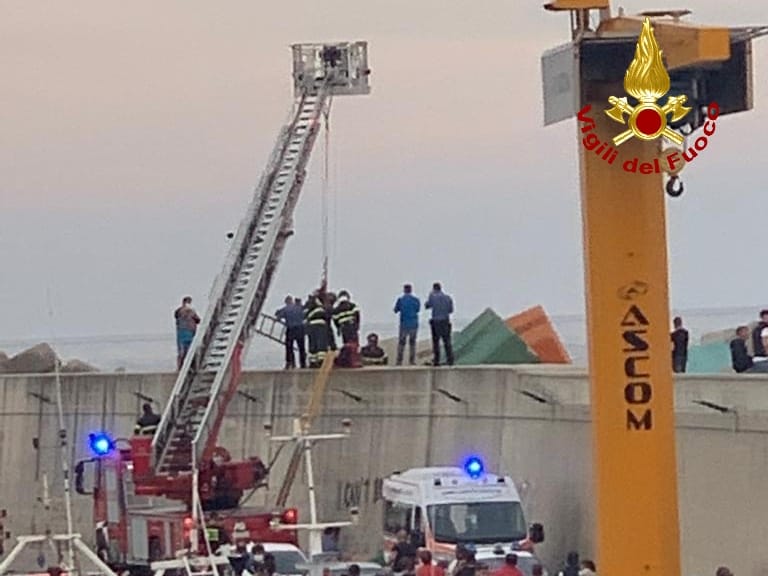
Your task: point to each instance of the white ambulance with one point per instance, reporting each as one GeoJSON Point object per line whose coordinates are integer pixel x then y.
{"type": "Point", "coordinates": [442, 507]}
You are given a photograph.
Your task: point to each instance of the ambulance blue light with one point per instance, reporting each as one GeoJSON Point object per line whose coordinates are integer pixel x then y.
{"type": "Point", "coordinates": [474, 467]}
{"type": "Point", "coordinates": [101, 444]}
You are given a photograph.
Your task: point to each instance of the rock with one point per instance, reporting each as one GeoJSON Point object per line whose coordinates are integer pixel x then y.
{"type": "Point", "coordinates": [38, 359]}
{"type": "Point", "coordinates": [3, 361]}
{"type": "Point", "coordinates": [78, 366]}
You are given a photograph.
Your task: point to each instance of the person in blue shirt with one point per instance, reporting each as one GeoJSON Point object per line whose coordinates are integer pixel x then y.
{"type": "Point", "coordinates": [292, 315]}
{"type": "Point", "coordinates": [441, 305]}
{"type": "Point", "coordinates": [186, 326]}
{"type": "Point", "coordinates": [408, 307]}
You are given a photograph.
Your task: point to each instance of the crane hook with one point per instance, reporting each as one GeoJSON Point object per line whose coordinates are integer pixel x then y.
{"type": "Point", "coordinates": [675, 186]}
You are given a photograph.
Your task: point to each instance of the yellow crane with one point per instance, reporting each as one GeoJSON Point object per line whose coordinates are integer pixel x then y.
{"type": "Point", "coordinates": [704, 72]}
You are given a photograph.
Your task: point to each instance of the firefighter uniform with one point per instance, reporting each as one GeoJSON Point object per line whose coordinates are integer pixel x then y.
{"type": "Point", "coordinates": [346, 317]}
{"type": "Point", "coordinates": [329, 300]}
{"type": "Point", "coordinates": [147, 424]}
{"type": "Point", "coordinates": [317, 332]}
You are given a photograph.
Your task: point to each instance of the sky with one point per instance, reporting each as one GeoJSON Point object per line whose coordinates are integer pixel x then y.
{"type": "Point", "coordinates": [133, 133]}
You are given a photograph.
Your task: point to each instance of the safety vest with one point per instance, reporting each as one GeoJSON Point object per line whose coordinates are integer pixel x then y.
{"type": "Point", "coordinates": [213, 534]}
{"type": "Point", "coordinates": [345, 313]}
{"type": "Point", "coordinates": [140, 430]}
{"type": "Point", "coordinates": [316, 316]}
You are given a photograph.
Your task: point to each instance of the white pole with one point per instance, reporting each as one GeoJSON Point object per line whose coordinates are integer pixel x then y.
{"type": "Point", "coordinates": [62, 443]}
{"type": "Point", "coordinates": [315, 539]}
{"type": "Point", "coordinates": [195, 505]}
{"type": "Point", "coordinates": [65, 469]}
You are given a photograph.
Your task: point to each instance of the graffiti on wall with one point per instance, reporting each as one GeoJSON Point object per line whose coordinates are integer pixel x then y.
{"type": "Point", "coordinates": [358, 493]}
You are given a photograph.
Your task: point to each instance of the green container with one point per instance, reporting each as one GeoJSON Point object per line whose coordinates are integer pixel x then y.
{"type": "Point", "coordinates": [713, 358]}
{"type": "Point", "coordinates": [488, 340]}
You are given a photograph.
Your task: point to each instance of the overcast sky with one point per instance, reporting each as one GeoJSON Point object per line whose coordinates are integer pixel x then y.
{"type": "Point", "coordinates": [132, 135]}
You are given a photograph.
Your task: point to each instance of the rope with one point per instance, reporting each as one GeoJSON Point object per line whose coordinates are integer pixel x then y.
{"type": "Point", "coordinates": [325, 189]}
{"type": "Point", "coordinates": [335, 192]}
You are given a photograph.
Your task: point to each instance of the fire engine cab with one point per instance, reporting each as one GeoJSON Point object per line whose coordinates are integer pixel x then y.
{"type": "Point", "coordinates": [444, 507]}
{"type": "Point", "coordinates": [141, 518]}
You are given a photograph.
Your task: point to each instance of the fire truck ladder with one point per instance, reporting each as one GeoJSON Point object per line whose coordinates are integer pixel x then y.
{"type": "Point", "coordinates": [186, 436]}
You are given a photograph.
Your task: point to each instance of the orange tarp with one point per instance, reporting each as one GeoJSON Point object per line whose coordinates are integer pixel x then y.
{"type": "Point", "coordinates": [534, 327]}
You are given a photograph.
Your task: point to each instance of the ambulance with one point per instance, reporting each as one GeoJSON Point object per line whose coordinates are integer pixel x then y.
{"type": "Point", "coordinates": [443, 507]}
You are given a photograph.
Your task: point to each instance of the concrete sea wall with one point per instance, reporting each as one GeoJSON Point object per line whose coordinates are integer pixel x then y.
{"type": "Point", "coordinates": [532, 423]}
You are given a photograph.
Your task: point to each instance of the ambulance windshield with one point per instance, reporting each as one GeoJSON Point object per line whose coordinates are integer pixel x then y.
{"type": "Point", "coordinates": [477, 522]}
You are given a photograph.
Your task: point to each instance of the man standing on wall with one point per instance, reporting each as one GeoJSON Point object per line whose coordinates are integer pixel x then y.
{"type": "Point", "coordinates": [441, 305]}
{"type": "Point", "coordinates": [292, 315]}
{"type": "Point", "coordinates": [408, 307]}
{"type": "Point", "coordinates": [186, 325]}
{"type": "Point", "coordinates": [679, 339]}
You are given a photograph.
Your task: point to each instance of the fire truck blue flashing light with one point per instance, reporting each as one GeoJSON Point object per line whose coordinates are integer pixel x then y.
{"type": "Point", "coordinates": [474, 467]}
{"type": "Point", "coordinates": [101, 444]}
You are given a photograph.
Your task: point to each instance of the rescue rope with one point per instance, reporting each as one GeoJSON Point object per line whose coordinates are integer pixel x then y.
{"type": "Point", "coordinates": [325, 194]}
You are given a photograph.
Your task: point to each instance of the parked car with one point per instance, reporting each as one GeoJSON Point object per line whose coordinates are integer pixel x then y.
{"type": "Point", "coordinates": [287, 558]}
{"type": "Point", "coordinates": [340, 568]}
{"type": "Point", "coordinates": [525, 561]}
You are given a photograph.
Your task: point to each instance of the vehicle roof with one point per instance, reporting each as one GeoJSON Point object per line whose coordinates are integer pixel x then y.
{"type": "Point", "coordinates": [429, 474]}
{"type": "Point", "coordinates": [280, 547]}
{"type": "Point", "coordinates": [338, 564]}
{"type": "Point", "coordinates": [491, 554]}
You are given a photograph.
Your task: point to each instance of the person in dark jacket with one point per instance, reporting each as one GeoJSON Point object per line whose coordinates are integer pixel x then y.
{"type": "Point", "coordinates": [740, 358]}
{"type": "Point", "coordinates": [679, 339]}
{"type": "Point", "coordinates": [372, 354]}
{"type": "Point", "coordinates": [292, 315]}
{"type": "Point", "coordinates": [403, 551]}
{"type": "Point", "coordinates": [316, 323]}
{"type": "Point", "coordinates": [759, 338]}
{"type": "Point", "coordinates": [147, 423]}
{"type": "Point", "coordinates": [572, 566]}
{"type": "Point", "coordinates": [441, 305]}
{"type": "Point", "coordinates": [329, 301]}
{"type": "Point", "coordinates": [467, 564]}
{"type": "Point", "coordinates": [346, 317]}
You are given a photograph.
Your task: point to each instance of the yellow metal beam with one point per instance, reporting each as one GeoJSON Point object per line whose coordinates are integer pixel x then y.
{"type": "Point", "coordinates": [318, 390]}
{"type": "Point", "coordinates": [625, 255]}
{"type": "Point", "coordinates": [683, 44]}
{"type": "Point", "coordinates": [313, 408]}
{"type": "Point", "coordinates": [558, 5]}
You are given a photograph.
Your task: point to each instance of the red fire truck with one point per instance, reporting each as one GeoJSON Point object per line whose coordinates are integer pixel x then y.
{"type": "Point", "coordinates": [141, 518]}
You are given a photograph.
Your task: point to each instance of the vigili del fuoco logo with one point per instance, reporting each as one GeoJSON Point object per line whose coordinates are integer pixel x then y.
{"type": "Point", "coordinates": [647, 81]}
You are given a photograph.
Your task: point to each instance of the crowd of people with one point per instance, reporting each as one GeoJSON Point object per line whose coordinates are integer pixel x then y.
{"type": "Point", "coordinates": [757, 361]}
{"type": "Point", "coordinates": [749, 348]}
{"type": "Point", "coordinates": [312, 327]}
{"type": "Point", "coordinates": [407, 559]}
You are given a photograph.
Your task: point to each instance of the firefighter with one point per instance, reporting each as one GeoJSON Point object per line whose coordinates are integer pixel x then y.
{"type": "Point", "coordinates": [372, 354]}
{"type": "Point", "coordinates": [147, 423]}
{"type": "Point", "coordinates": [329, 301]}
{"type": "Point", "coordinates": [346, 317]}
{"type": "Point", "coordinates": [317, 331]}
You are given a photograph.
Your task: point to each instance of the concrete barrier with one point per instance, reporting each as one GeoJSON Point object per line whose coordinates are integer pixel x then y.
{"type": "Point", "coordinates": [529, 422]}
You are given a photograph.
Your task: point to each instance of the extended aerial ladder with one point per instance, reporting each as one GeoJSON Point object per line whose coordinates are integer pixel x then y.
{"type": "Point", "coordinates": [186, 436]}
{"type": "Point", "coordinates": [158, 497]}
